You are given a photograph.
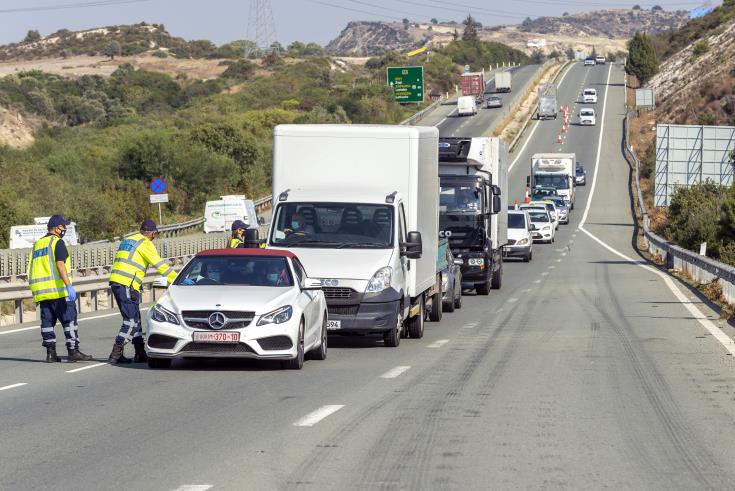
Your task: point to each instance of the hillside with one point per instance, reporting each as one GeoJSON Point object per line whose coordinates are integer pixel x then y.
{"type": "Point", "coordinates": [133, 40]}
{"type": "Point", "coordinates": [604, 30]}
{"type": "Point", "coordinates": [696, 85]}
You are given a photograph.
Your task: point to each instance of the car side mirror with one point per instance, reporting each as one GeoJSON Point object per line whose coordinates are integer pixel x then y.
{"type": "Point", "coordinates": [312, 284]}
{"type": "Point", "coordinates": [252, 239]}
{"type": "Point", "coordinates": [160, 282]}
{"type": "Point", "coordinates": [532, 227]}
{"type": "Point", "coordinates": [261, 221]}
{"type": "Point", "coordinates": [413, 247]}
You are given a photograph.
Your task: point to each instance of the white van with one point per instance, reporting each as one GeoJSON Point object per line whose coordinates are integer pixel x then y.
{"type": "Point", "coordinates": [220, 214]}
{"type": "Point", "coordinates": [466, 105]}
{"type": "Point", "coordinates": [23, 236]}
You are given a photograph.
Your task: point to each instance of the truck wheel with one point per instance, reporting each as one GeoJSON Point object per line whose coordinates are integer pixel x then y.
{"type": "Point", "coordinates": [435, 314]}
{"type": "Point", "coordinates": [483, 288]}
{"type": "Point", "coordinates": [415, 324]}
{"type": "Point", "coordinates": [497, 281]}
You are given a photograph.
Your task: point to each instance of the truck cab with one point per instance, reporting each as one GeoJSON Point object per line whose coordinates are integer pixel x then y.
{"type": "Point", "coordinates": [557, 171]}
{"type": "Point", "coordinates": [473, 176]}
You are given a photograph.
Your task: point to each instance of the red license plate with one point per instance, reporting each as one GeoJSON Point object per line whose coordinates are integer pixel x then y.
{"type": "Point", "coordinates": [217, 337]}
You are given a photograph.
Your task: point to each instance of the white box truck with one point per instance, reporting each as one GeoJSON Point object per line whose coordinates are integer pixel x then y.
{"type": "Point", "coordinates": [555, 170]}
{"type": "Point", "coordinates": [503, 81]}
{"type": "Point", "coordinates": [547, 105]}
{"type": "Point", "coordinates": [358, 205]}
{"type": "Point", "coordinates": [473, 207]}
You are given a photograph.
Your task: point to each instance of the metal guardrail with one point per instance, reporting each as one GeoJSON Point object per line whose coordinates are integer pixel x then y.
{"type": "Point", "coordinates": [421, 114]}
{"type": "Point", "coordinates": [700, 268]}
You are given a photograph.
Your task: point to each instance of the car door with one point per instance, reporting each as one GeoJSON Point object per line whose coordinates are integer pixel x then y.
{"type": "Point", "coordinates": [309, 301]}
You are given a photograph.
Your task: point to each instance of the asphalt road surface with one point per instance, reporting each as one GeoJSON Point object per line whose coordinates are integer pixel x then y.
{"type": "Point", "coordinates": [585, 371]}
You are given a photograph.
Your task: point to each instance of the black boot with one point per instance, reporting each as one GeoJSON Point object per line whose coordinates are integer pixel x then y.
{"type": "Point", "coordinates": [51, 356]}
{"type": "Point", "coordinates": [76, 355]}
{"type": "Point", "coordinates": [117, 356]}
{"type": "Point", "coordinates": [140, 354]}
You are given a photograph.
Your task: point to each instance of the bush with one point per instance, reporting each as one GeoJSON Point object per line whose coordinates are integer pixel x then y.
{"type": "Point", "coordinates": [700, 48]}
{"type": "Point", "coordinates": [239, 70]}
{"type": "Point", "coordinates": [642, 61]}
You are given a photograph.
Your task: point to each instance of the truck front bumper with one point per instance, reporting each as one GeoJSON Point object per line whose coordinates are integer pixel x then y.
{"type": "Point", "coordinates": [364, 318]}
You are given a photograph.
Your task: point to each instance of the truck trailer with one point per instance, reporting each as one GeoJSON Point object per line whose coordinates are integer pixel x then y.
{"type": "Point", "coordinates": [547, 105]}
{"type": "Point", "coordinates": [503, 81]}
{"type": "Point", "coordinates": [358, 205]}
{"type": "Point", "coordinates": [473, 207]}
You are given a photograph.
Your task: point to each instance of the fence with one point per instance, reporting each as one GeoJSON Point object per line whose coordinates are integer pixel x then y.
{"type": "Point", "coordinates": [701, 268]}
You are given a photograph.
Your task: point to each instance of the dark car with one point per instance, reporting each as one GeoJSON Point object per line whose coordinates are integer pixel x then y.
{"type": "Point", "coordinates": [494, 101]}
{"type": "Point", "coordinates": [580, 177]}
{"type": "Point", "coordinates": [540, 193]}
{"type": "Point", "coordinates": [452, 284]}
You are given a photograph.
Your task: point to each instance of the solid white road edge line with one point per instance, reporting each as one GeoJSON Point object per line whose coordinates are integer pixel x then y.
{"type": "Point", "coordinates": [78, 320]}
{"type": "Point", "coordinates": [87, 367]}
{"type": "Point", "coordinates": [438, 344]}
{"type": "Point", "coordinates": [528, 138]}
{"type": "Point", "coordinates": [314, 417]}
{"type": "Point", "coordinates": [194, 487]}
{"type": "Point", "coordinates": [394, 372]}
{"type": "Point", "coordinates": [716, 332]}
{"type": "Point", "coordinates": [13, 386]}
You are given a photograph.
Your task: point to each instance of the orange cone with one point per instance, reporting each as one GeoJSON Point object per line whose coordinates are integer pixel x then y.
{"type": "Point", "coordinates": [558, 139]}
{"type": "Point", "coordinates": [564, 129]}
{"type": "Point", "coordinates": [527, 198]}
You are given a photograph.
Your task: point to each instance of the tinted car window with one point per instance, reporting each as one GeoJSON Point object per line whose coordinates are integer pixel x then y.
{"type": "Point", "coordinates": [236, 270]}
{"type": "Point", "coordinates": [516, 220]}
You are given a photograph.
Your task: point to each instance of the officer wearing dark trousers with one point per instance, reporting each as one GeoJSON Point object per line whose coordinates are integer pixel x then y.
{"type": "Point", "coordinates": [49, 271]}
{"type": "Point", "coordinates": [132, 259]}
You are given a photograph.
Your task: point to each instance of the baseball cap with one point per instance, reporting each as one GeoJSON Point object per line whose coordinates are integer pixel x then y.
{"type": "Point", "coordinates": [148, 226]}
{"type": "Point", "coordinates": [238, 224]}
{"type": "Point", "coordinates": [57, 220]}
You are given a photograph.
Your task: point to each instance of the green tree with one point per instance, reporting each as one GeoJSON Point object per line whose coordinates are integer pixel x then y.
{"type": "Point", "coordinates": [113, 49]}
{"type": "Point", "coordinates": [657, 8]}
{"type": "Point", "coordinates": [434, 21]}
{"type": "Point", "coordinates": [636, 7]}
{"type": "Point", "coordinates": [32, 36]}
{"type": "Point", "coordinates": [441, 69]}
{"type": "Point", "coordinates": [239, 70]}
{"type": "Point", "coordinates": [470, 30]}
{"type": "Point", "coordinates": [642, 60]}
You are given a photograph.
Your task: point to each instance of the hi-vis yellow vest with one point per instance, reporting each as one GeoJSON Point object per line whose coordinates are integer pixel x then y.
{"type": "Point", "coordinates": [132, 259]}
{"type": "Point", "coordinates": [234, 243]}
{"type": "Point", "coordinates": [43, 275]}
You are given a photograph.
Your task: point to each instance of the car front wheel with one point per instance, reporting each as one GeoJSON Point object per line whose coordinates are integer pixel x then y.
{"type": "Point", "coordinates": [320, 353]}
{"type": "Point", "coordinates": [297, 363]}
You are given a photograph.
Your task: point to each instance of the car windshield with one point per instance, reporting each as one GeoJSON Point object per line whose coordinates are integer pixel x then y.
{"type": "Point", "coordinates": [590, 92]}
{"type": "Point", "coordinates": [587, 113]}
{"type": "Point", "coordinates": [539, 216]}
{"type": "Point", "coordinates": [236, 270]}
{"type": "Point", "coordinates": [560, 203]}
{"type": "Point", "coordinates": [553, 181]}
{"type": "Point", "coordinates": [580, 171]}
{"type": "Point", "coordinates": [460, 198]}
{"type": "Point", "coordinates": [333, 225]}
{"type": "Point", "coordinates": [516, 220]}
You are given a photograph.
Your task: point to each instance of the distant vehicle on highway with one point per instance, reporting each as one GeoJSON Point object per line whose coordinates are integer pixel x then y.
{"type": "Point", "coordinates": [542, 192]}
{"type": "Point", "coordinates": [240, 303]}
{"type": "Point", "coordinates": [466, 105]}
{"type": "Point", "coordinates": [589, 61]}
{"type": "Point", "coordinates": [587, 116]}
{"type": "Point", "coordinates": [547, 104]}
{"type": "Point", "coordinates": [503, 81]}
{"type": "Point", "coordinates": [542, 227]}
{"type": "Point", "coordinates": [520, 239]}
{"type": "Point", "coordinates": [452, 283]}
{"type": "Point", "coordinates": [600, 60]}
{"type": "Point", "coordinates": [562, 208]}
{"type": "Point", "coordinates": [589, 96]}
{"type": "Point", "coordinates": [550, 207]}
{"type": "Point", "coordinates": [494, 101]}
{"type": "Point", "coordinates": [580, 178]}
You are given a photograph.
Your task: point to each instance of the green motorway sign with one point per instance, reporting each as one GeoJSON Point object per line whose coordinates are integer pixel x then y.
{"type": "Point", "coordinates": [407, 83]}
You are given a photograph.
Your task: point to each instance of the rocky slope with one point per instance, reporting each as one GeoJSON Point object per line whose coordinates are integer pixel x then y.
{"type": "Point", "coordinates": [372, 38]}
{"type": "Point", "coordinates": [616, 23]}
{"type": "Point", "coordinates": [699, 88]}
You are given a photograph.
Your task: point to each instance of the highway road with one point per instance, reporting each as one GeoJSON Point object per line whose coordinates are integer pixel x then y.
{"type": "Point", "coordinates": [588, 370]}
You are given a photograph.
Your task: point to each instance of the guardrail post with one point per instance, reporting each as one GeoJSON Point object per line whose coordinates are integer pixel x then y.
{"type": "Point", "coordinates": [19, 311]}
{"type": "Point", "coordinates": [93, 298]}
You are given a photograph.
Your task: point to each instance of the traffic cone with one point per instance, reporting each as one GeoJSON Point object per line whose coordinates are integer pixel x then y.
{"type": "Point", "coordinates": [558, 139]}
{"type": "Point", "coordinates": [564, 128]}
{"type": "Point", "coordinates": [527, 198]}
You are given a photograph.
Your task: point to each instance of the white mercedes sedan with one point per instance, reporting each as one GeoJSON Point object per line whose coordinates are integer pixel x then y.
{"type": "Point", "coordinates": [239, 303]}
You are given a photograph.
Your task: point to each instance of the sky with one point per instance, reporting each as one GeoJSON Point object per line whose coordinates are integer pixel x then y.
{"type": "Point", "coordinates": [222, 21]}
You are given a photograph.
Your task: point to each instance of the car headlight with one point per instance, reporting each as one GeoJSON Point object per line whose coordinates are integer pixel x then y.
{"type": "Point", "coordinates": [278, 316]}
{"type": "Point", "coordinates": [159, 314]}
{"type": "Point", "coordinates": [380, 280]}
{"type": "Point", "coordinates": [445, 282]}
{"type": "Point", "coordinates": [476, 261]}
{"type": "Point", "coordinates": [547, 227]}
{"type": "Point", "coordinates": [522, 242]}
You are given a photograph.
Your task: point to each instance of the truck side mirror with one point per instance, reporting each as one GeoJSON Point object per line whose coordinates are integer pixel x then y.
{"type": "Point", "coordinates": [528, 181]}
{"type": "Point", "coordinates": [252, 239]}
{"type": "Point", "coordinates": [413, 246]}
{"type": "Point", "coordinates": [261, 221]}
{"type": "Point", "coordinates": [496, 199]}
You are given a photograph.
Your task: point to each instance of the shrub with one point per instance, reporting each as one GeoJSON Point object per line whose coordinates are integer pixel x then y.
{"type": "Point", "coordinates": [700, 48]}
{"type": "Point", "coordinates": [239, 70]}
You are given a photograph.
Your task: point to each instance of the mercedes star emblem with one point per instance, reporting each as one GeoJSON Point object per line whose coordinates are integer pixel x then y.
{"type": "Point", "coordinates": [217, 320]}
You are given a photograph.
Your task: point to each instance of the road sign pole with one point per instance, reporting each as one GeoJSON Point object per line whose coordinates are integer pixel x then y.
{"type": "Point", "coordinates": [160, 215]}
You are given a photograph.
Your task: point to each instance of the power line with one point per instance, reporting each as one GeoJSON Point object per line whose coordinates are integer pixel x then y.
{"type": "Point", "coordinates": [382, 16]}
{"type": "Point", "coordinates": [97, 3]}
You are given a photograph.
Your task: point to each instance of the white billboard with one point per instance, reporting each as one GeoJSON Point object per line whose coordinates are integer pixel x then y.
{"type": "Point", "coordinates": [23, 236]}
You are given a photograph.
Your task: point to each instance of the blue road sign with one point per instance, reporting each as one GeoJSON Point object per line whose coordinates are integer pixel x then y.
{"type": "Point", "coordinates": [158, 186]}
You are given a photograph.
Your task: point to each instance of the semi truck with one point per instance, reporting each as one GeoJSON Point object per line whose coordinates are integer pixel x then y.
{"type": "Point", "coordinates": [473, 83]}
{"type": "Point", "coordinates": [555, 170]}
{"type": "Point", "coordinates": [358, 205]}
{"type": "Point", "coordinates": [473, 207]}
{"type": "Point", "coordinates": [503, 81]}
{"type": "Point", "coordinates": [547, 105]}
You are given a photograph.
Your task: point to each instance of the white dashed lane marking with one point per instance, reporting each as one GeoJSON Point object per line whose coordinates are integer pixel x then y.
{"type": "Point", "coordinates": [438, 344]}
{"type": "Point", "coordinates": [13, 386]}
{"type": "Point", "coordinates": [87, 367]}
{"type": "Point", "coordinates": [314, 417]}
{"type": "Point", "coordinates": [394, 372]}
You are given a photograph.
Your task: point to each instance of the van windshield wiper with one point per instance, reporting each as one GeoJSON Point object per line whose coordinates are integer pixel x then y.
{"type": "Point", "coordinates": [375, 245]}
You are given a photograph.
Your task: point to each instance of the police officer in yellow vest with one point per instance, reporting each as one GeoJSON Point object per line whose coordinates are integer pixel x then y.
{"type": "Point", "coordinates": [132, 259]}
{"type": "Point", "coordinates": [49, 271]}
{"type": "Point", "coordinates": [238, 235]}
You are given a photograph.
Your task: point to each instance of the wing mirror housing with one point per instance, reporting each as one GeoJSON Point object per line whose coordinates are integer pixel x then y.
{"type": "Point", "coordinates": [312, 284]}
{"type": "Point", "coordinates": [413, 247]}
